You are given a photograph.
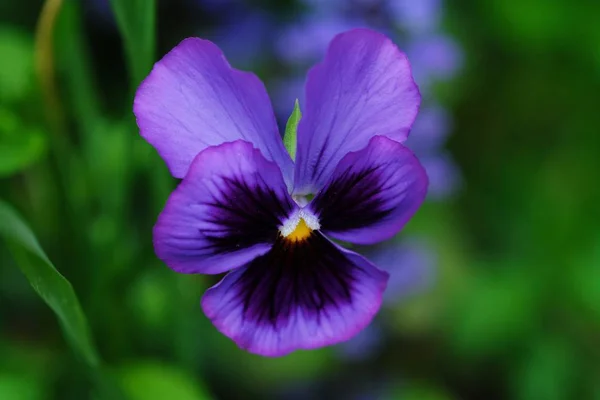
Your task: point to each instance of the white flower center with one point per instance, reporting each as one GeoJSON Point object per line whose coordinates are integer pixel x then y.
{"type": "Point", "coordinates": [299, 225]}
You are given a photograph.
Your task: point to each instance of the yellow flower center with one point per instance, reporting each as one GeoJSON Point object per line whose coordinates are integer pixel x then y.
{"type": "Point", "coordinates": [301, 232]}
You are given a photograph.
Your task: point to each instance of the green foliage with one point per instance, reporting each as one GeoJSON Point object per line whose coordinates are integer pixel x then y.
{"type": "Point", "coordinates": [21, 145]}
{"type": "Point", "coordinates": [52, 287]}
{"type": "Point", "coordinates": [277, 372]}
{"type": "Point", "coordinates": [499, 309]}
{"type": "Point", "coordinates": [584, 282]}
{"type": "Point", "coordinates": [291, 128]}
{"type": "Point", "coordinates": [81, 91]}
{"type": "Point", "coordinates": [420, 391]}
{"type": "Point", "coordinates": [20, 386]}
{"type": "Point", "coordinates": [548, 370]}
{"type": "Point", "coordinates": [155, 381]}
{"type": "Point", "coordinates": [137, 22]}
{"type": "Point", "coordinates": [16, 74]}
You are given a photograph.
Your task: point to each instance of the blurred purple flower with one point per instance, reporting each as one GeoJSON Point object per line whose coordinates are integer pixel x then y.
{"type": "Point", "coordinates": [434, 58]}
{"type": "Point", "coordinates": [430, 130]}
{"type": "Point", "coordinates": [444, 176]}
{"type": "Point", "coordinates": [302, 44]}
{"type": "Point", "coordinates": [244, 36]}
{"type": "Point", "coordinates": [427, 139]}
{"type": "Point", "coordinates": [410, 263]}
{"type": "Point", "coordinates": [416, 16]}
{"type": "Point", "coordinates": [306, 41]}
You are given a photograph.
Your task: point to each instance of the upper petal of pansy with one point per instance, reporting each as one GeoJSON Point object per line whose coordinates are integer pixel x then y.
{"type": "Point", "coordinates": [372, 193]}
{"type": "Point", "coordinates": [193, 99]}
{"type": "Point", "coordinates": [225, 212]}
{"type": "Point", "coordinates": [363, 88]}
{"type": "Point", "coordinates": [300, 295]}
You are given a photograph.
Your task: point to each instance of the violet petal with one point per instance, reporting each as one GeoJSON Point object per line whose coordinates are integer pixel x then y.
{"type": "Point", "coordinates": [304, 295]}
{"type": "Point", "coordinates": [226, 211]}
{"type": "Point", "coordinates": [372, 193]}
{"type": "Point", "coordinates": [363, 88]}
{"type": "Point", "coordinates": [194, 99]}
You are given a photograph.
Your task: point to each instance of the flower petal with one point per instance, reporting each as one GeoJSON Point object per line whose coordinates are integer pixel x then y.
{"type": "Point", "coordinates": [225, 212]}
{"type": "Point", "coordinates": [372, 193]}
{"type": "Point", "coordinates": [194, 99]}
{"type": "Point", "coordinates": [363, 88]}
{"type": "Point", "coordinates": [301, 295]}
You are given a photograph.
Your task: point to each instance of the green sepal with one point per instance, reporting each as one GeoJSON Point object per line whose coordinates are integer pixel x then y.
{"type": "Point", "coordinates": [289, 138]}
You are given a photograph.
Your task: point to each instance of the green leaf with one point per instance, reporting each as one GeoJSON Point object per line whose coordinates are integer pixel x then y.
{"type": "Point", "coordinates": [420, 391]}
{"type": "Point", "coordinates": [52, 287]}
{"type": "Point", "coordinates": [137, 22]}
{"type": "Point", "coordinates": [549, 368]}
{"type": "Point", "coordinates": [289, 138]}
{"type": "Point", "coordinates": [584, 280]}
{"type": "Point", "coordinates": [155, 381]}
{"type": "Point", "coordinates": [20, 145]}
{"type": "Point", "coordinates": [20, 386]}
{"type": "Point", "coordinates": [16, 74]}
{"type": "Point", "coordinates": [73, 52]}
{"type": "Point", "coordinates": [480, 319]}
{"type": "Point", "coordinates": [265, 372]}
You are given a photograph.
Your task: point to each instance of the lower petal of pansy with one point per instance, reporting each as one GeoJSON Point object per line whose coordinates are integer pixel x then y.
{"type": "Point", "coordinates": [301, 295]}
{"type": "Point", "coordinates": [226, 211]}
{"type": "Point", "coordinates": [372, 193]}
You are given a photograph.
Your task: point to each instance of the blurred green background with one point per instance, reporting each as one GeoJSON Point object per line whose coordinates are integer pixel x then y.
{"type": "Point", "coordinates": [513, 310]}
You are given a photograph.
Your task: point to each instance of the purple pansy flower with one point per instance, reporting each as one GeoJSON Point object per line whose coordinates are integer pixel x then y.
{"type": "Point", "coordinates": [244, 206]}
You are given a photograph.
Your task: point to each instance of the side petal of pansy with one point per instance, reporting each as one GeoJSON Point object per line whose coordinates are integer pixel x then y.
{"type": "Point", "coordinates": [372, 193]}
{"type": "Point", "coordinates": [363, 88]}
{"type": "Point", "coordinates": [300, 295]}
{"type": "Point", "coordinates": [194, 99]}
{"type": "Point", "coordinates": [225, 212]}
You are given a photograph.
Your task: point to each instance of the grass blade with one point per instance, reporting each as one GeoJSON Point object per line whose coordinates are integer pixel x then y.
{"type": "Point", "coordinates": [52, 287]}
{"type": "Point", "coordinates": [137, 22]}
